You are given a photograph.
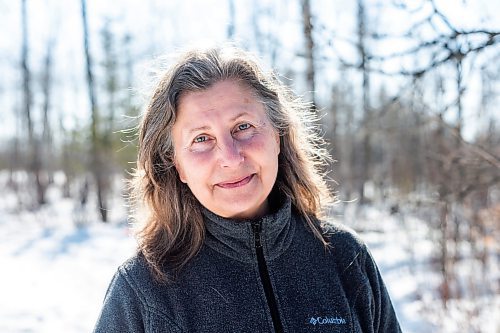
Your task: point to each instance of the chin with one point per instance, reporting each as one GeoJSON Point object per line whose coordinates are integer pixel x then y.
{"type": "Point", "coordinates": [242, 212]}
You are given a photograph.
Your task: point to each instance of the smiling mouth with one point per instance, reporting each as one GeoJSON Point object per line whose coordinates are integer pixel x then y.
{"type": "Point", "coordinates": [238, 183]}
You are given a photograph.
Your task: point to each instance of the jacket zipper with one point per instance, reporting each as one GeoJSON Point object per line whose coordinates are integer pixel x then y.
{"type": "Point", "coordinates": [264, 276]}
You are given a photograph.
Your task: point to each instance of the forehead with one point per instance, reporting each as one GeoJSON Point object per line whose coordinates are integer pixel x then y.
{"type": "Point", "coordinates": [224, 99]}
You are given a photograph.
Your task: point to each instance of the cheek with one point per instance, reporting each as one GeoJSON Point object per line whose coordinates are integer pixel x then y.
{"type": "Point", "coordinates": [263, 150]}
{"type": "Point", "coordinates": [193, 167]}
{"type": "Point", "coordinates": [267, 144]}
{"type": "Point", "coordinates": [265, 138]}
{"type": "Point", "coordinates": [259, 141]}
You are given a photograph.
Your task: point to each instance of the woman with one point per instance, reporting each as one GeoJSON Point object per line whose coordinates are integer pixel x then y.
{"type": "Point", "coordinates": [229, 171]}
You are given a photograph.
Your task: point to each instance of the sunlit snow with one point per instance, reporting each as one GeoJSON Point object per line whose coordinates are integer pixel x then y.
{"type": "Point", "coordinates": [54, 274]}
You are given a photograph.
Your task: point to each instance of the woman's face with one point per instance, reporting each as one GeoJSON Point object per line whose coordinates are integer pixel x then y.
{"type": "Point", "coordinates": [226, 149]}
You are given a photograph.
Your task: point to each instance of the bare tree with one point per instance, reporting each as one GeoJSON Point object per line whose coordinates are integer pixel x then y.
{"type": "Point", "coordinates": [35, 166]}
{"type": "Point", "coordinates": [340, 131]}
{"type": "Point", "coordinates": [264, 20]}
{"type": "Point", "coordinates": [463, 173]}
{"type": "Point", "coordinates": [27, 94]}
{"type": "Point", "coordinates": [96, 151]}
{"type": "Point", "coordinates": [47, 148]}
{"type": "Point", "coordinates": [309, 50]}
{"type": "Point", "coordinates": [111, 84]}
{"type": "Point", "coordinates": [365, 152]}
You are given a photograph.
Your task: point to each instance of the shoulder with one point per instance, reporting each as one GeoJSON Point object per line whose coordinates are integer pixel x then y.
{"type": "Point", "coordinates": [340, 236]}
{"type": "Point", "coordinates": [130, 304]}
{"type": "Point", "coordinates": [127, 279]}
{"type": "Point", "coordinates": [345, 245]}
{"type": "Point", "coordinates": [135, 273]}
{"type": "Point", "coordinates": [135, 266]}
{"type": "Point", "coordinates": [134, 283]}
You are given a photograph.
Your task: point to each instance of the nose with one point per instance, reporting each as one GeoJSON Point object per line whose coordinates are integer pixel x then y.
{"type": "Point", "coordinates": [229, 152]}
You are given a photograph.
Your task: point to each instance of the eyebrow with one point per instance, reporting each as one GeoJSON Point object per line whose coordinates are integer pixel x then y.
{"type": "Point", "coordinates": [196, 129]}
{"type": "Point", "coordinates": [204, 128]}
{"type": "Point", "coordinates": [241, 114]}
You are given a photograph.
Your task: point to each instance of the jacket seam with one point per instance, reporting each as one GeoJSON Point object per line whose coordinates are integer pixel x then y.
{"type": "Point", "coordinates": [248, 260]}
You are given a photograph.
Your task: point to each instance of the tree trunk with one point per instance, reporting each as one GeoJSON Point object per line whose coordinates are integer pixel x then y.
{"type": "Point", "coordinates": [47, 131]}
{"type": "Point", "coordinates": [96, 158]}
{"type": "Point", "coordinates": [309, 50]}
{"type": "Point", "coordinates": [443, 260]}
{"type": "Point", "coordinates": [365, 153]}
{"type": "Point", "coordinates": [33, 144]}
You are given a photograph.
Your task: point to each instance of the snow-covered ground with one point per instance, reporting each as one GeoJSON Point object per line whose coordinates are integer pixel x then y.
{"type": "Point", "coordinates": [54, 274]}
{"type": "Point", "coordinates": [403, 248]}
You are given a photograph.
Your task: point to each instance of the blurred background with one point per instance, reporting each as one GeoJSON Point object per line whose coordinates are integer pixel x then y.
{"type": "Point", "coordinates": [408, 97]}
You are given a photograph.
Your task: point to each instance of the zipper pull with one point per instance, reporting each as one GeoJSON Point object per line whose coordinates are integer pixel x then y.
{"type": "Point", "coordinates": [257, 227]}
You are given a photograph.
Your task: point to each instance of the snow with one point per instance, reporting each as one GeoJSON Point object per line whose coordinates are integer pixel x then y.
{"type": "Point", "coordinates": [54, 273]}
{"type": "Point", "coordinates": [403, 248]}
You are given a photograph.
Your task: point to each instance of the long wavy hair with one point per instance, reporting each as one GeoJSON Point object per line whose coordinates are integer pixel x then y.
{"type": "Point", "coordinates": [172, 231]}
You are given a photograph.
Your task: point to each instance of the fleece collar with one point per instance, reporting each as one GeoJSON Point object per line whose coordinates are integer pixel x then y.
{"type": "Point", "coordinates": [236, 238]}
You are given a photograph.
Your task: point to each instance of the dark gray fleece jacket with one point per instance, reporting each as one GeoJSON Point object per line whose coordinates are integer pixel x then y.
{"type": "Point", "coordinates": [270, 275]}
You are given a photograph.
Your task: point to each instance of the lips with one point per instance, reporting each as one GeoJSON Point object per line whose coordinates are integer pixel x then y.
{"type": "Point", "coordinates": [236, 183]}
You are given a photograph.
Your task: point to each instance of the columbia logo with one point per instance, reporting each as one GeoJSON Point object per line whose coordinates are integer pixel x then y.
{"type": "Point", "coordinates": [327, 320]}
